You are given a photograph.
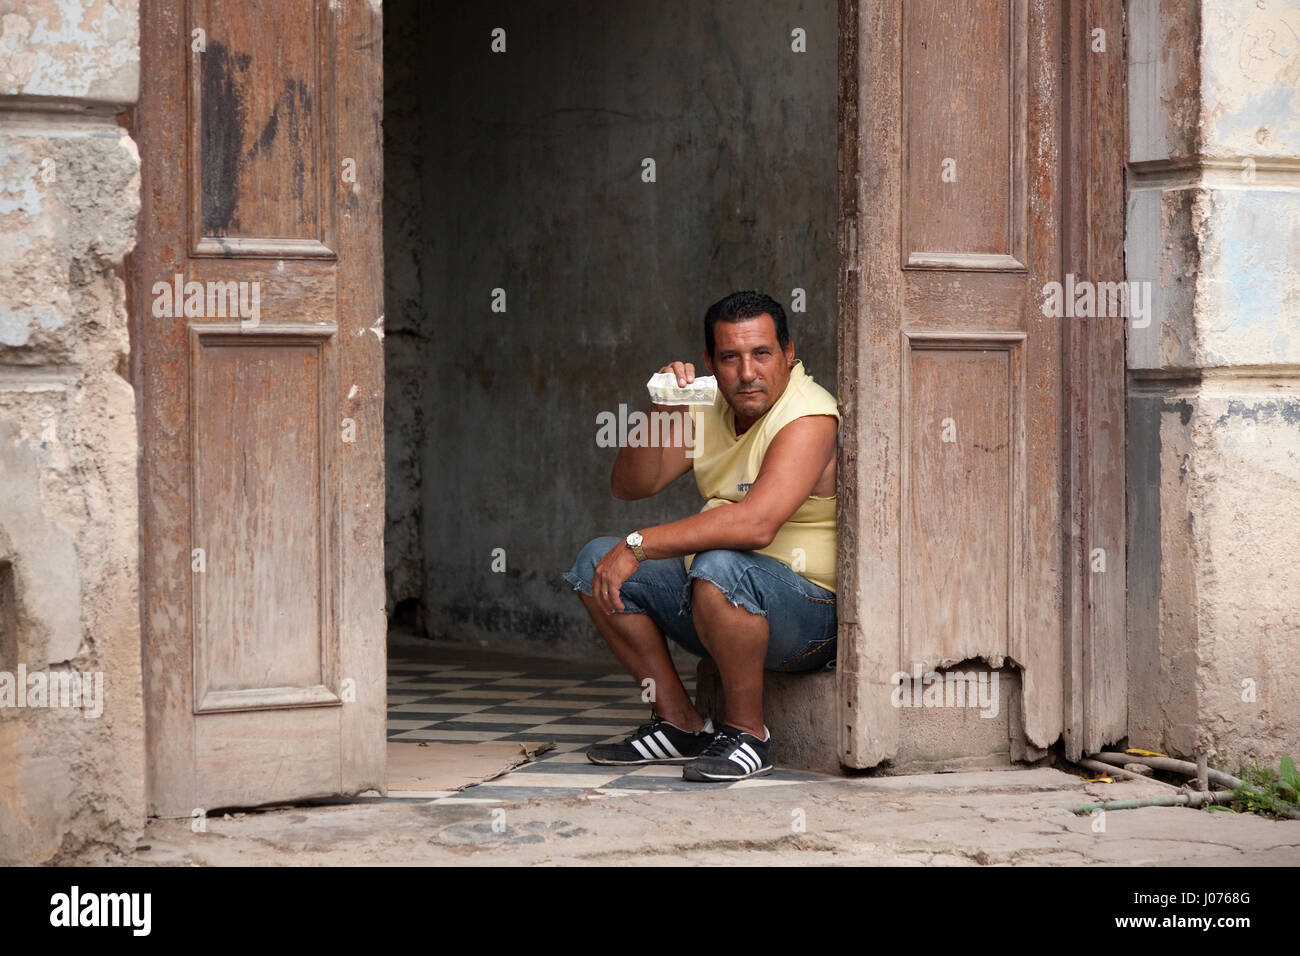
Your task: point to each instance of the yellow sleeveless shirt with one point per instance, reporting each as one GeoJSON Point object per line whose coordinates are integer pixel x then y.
{"type": "Point", "coordinates": [726, 465]}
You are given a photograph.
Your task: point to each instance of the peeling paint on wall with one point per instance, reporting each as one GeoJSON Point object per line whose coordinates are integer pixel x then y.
{"type": "Point", "coordinates": [1251, 81]}
{"type": "Point", "coordinates": [74, 49]}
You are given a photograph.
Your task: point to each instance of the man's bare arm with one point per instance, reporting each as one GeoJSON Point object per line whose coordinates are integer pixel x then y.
{"type": "Point", "coordinates": [648, 470]}
{"type": "Point", "coordinates": [793, 463]}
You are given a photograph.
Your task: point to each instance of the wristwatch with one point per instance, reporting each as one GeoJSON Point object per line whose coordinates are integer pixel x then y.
{"type": "Point", "coordinates": [633, 541]}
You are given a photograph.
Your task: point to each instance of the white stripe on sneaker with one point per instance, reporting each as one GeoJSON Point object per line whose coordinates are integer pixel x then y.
{"type": "Point", "coordinates": [650, 742]}
{"type": "Point", "coordinates": [642, 751]}
{"type": "Point", "coordinates": [668, 744]}
{"type": "Point", "coordinates": [742, 759]}
{"type": "Point", "coordinates": [750, 751]}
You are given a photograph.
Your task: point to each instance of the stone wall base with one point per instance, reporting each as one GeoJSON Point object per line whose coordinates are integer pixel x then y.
{"type": "Point", "coordinates": [802, 714]}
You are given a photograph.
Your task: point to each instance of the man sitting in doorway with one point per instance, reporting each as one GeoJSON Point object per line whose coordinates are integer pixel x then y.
{"type": "Point", "coordinates": [750, 579]}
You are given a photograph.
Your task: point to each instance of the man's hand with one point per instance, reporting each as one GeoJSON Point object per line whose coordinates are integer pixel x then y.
{"type": "Point", "coordinates": [614, 568]}
{"type": "Point", "coordinates": [684, 371]}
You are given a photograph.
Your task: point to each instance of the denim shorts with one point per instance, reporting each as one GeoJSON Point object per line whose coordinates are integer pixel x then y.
{"type": "Point", "coordinates": [800, 615]}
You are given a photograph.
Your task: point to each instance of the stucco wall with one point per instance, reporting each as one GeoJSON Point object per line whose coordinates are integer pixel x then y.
{"type": "Point", "coordinates": [69, 194]}
{"type": "Point", "coordinates": [530, 163]}
{"type": "Point", "coordinates": [1214, 420]}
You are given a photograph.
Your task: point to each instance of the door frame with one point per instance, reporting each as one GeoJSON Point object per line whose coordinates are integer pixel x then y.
{"type": "Point", "coordinates": [1092, 167]}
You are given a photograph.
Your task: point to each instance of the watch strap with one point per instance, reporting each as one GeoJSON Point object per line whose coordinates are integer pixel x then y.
{"type": "Point", "coordinates": [637, 550]}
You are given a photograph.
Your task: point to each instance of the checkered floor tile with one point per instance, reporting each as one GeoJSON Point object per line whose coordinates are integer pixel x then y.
{"type": "Point", "coordinates": [459, 703]}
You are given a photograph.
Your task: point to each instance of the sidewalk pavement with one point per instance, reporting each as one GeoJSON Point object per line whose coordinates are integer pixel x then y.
{"type": "Point", "coordinates": [985, 818]}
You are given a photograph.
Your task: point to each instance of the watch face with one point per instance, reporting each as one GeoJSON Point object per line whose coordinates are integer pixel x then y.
{"type": "Point", "coordinates": [634, 539]}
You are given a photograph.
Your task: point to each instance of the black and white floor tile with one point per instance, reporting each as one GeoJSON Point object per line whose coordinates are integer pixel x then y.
{"type": "Point", "coordinates": [461, 703]}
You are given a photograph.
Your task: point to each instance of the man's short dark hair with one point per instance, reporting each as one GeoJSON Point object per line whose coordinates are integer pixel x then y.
{"type": "Point", "coordinates": [745, 305]}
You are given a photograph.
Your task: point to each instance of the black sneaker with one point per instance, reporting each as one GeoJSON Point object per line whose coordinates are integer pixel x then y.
{"type": "Point", "coordinates": [731, 755]}
{"type": "Point", "coordinates": [655, 742]}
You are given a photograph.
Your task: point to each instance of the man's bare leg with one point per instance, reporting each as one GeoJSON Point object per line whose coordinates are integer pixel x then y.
{"type": "Point", "coordinates": [736, 639]}
{"type": "Point", "coordinates": [642, 648]}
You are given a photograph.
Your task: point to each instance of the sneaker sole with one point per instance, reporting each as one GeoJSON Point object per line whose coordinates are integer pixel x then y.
{"type": "Point", "coordinates": [637, 763]}
{"type": "Point", "coordinates": [690, 773]}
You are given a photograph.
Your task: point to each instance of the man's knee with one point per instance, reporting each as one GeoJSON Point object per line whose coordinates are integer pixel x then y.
{"type": "Point", "coordinates": [719, 566]}
{"type": "Point", "coordinates": [720, 579]}
{"type": "Point", "coordinates": [708, 595]}
{"type": "Point", "coordinates": [704, 592]}
{"type": "Point", "coordinates": [584, 566]}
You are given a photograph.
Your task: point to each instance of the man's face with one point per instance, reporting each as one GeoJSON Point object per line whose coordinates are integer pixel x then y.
{"type": "Point", "coordinates": [751, 368]}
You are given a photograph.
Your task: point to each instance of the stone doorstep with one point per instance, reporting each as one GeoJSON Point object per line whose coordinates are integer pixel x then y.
{"type": "Point", "coordinates": [800, 711]}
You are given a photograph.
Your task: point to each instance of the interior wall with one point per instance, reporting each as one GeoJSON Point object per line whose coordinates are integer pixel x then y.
{"type": "Point", "coordinates": [405, 320]}
{"type": "Point", "coordinates": [523, 171]}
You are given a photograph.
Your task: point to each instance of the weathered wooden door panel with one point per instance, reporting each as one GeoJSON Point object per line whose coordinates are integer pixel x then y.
{"type": "Point", "coordinates": [1095, 147]}
{"type": "Point", "coordinates": [257, 357]}
{"type": "Point", "coordinates": [951, 191]}
{"type": "Point", "coordinates": [961, 523]}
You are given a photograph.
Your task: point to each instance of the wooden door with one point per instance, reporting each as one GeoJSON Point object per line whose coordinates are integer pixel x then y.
{"type": "Point", "coordinates": [955, 532]}
{"type": "Point", "coordinates": [257, 357]}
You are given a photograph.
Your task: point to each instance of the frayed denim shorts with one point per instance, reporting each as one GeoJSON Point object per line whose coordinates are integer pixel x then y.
{"type": "Point", "coordinates": [800, 615]}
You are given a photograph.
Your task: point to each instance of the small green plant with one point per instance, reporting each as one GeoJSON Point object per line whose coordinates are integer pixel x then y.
{"type": "Point", "coordinates": [1268, 792]}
